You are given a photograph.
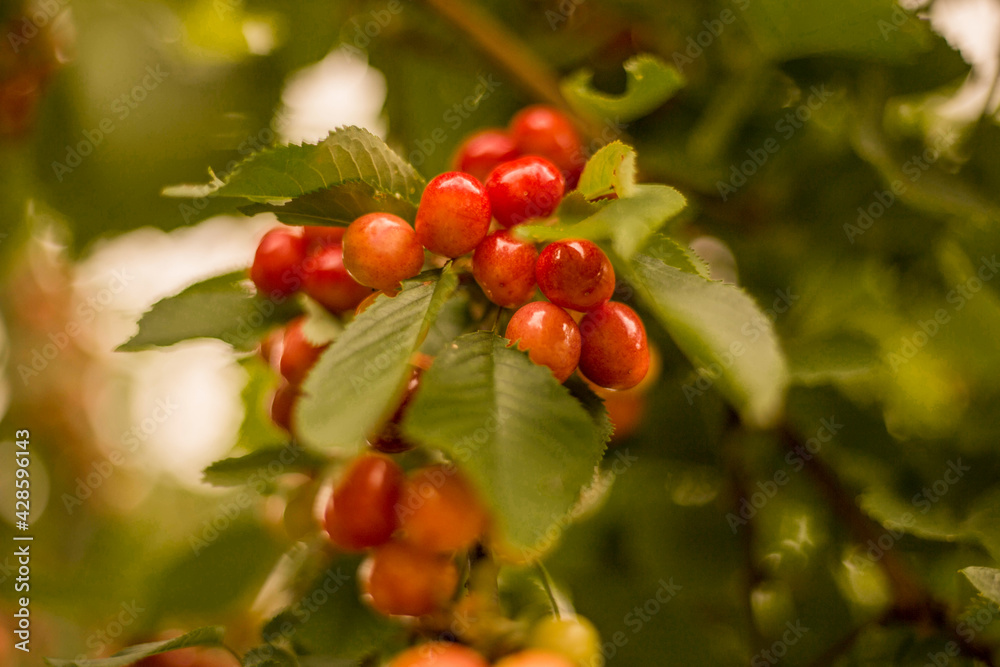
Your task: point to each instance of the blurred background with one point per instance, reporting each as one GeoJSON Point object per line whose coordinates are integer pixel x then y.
{"type": "Point", "coordinates": [104, 103]}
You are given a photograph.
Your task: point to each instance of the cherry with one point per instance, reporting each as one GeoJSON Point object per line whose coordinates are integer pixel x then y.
{"type": "Point", "coordinates": [407, 581]}
{"type": "Point", "coordinates": [615, 353]}
{"type": "Point", "coordinates": [282, 404]}
{"type": "Point", "coordinates": [575, 274]}
{"type": "Point", "coordinates": [439, 510]}
{"type": "Point", "coordinates": [325, 279]}
{"type": "Point", "coordinates": [319, 236]}
{"type": "Point", "coordinates": [298, 355]}
{"type": "Point", "coordinates": [483, 151]}
{"type": "Point", "coordinates": [550, 336]}
{"type": "Point", "coordinates": [574, 637]}
{"type": "Point", "coordinates": [504, 267]}
{"type": "Point", "coordinates": [454, 214]}
{"type": "Point", "coordinates": [361, 512]}
{"type": "Point", "coordinates": [381, 249]}
{"type": "Point", "coordinates": [525, 188]}
{"type": "Point", "coordinates": [542, 130]}
{"type": "Point", "coordinates": [535, 658]}
{"type": "Point", "coordinates": [439, 654]}
{"type": "Point", "coordinates": [390, 439]}
{"type": "Point", "coordinates": [276, 264]}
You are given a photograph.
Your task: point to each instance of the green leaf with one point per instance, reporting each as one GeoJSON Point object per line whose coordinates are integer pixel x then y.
{"type": "Point", "coordinates": [629, 222]}
{"type": "Point", "coordinates": [320, 326]}
{"type": "Point", "coordinates": [357, 168]}
{"type": "Point", "coordinates": [786, 29]}
{"type": "Point", "coordinates": [209, 636]}
{"type": "Point", "coordinates": [673, 254]}
{"type": "Point", "coordinates": [986, 580]}
{"type": "Point", "coordinates": [331, 621]}
{"type": "Point", "coordinates": [337, 206]}
{"type": "Point", "coordinates": [257, 430]}
{"type": "Point", "coordinates": [527, 443]}
{"type": "Point", "coordinates": [611, 170]}
{"type": "Point", "coordinates": [357, 381]}
{"type": "Point", "coordinates": [261, 464]}
{"type": "Point", "coordinates": [722, 331]}
{"type": "Point", "coordinates": [269, 656]}
{"type": "Point", "coordinates": [225, 307]}
{"type": "Point", "coordinates": [649, 83]}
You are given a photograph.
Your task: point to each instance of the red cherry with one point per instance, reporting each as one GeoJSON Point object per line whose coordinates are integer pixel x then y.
{"type": "Point", "coordinates": [282, 404]}
{"type": "Point", "coordinates": [483, 151]}
{"type": "Point", "coordinates": [407, 581]}
{"type": "Point", "coordinates": [536, 658]}
{"type": "Point", "coordinates": [615, 352]}
{"type": "Point", "coordinates": [439, 510]}
{"type": "Point", "coordinates": [318, 236]}
{"type": "Point", "coordinates": [504, 267]}
{"type": "Point", "coordinates": [542, 130]}
{"type": "Point", "coordinates": [362, 510]}
{"type": "Point", "coordinates": [277, 262]}
{"type": "Point", "coordinates": [575, 274]}
{"type": "Point", "coordinates": [381, 249]}
{"type": "Point", "coordinates": [549, 334]}
{"type": "Point", "coordinates": [439, 654]}
{"type": "Point", "coordinates": [454, 214]}
{"type": "Point", "coordinates": [325, 279]}
{"type": "Point", "coordinates": [298, 355]}
{"type": "Point", "coordinates": [525, 188]}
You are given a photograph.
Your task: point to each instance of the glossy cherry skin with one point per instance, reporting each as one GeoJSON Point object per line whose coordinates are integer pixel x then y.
{"type": "Point", "coordinates": [439, 510]}
{"type": "Point", "coordinates": [407, 581]}
{"type": "Point", "coordinates": [484, 151]}
{"type": "Point", "coordinates": [542, 130]}
{"type": "Point", "coordinates": [573, 637]}
{"type": "Point", "coordinates": [381, 249]}
{"type": "Point", "coordinates": [454, 214]}
{"type": "Point", "coordinates": [298, 355]}
{"type": "Point", "coordinates": [325, 279]}
{"type": "Point", "coordinates": [362, 510]}
{"type": "Point", "coordinates": [525, 188]}
{"type": "Point", "coordinates": [575, 274]}
{"type": "Point", "coordinates": [318, 236]}
{"type": "Point", "coordinates": [615, 352]}
{"type": "Point", "coordinates": [439, 654]}
{"type": "Point", "coordinates": [282, 404]}
{"type": "Point", "coordinates": [277, 262]}
{"type": "Point", "coordinates": [504, 267]}
{"type": "Point", "coordinates": [550, 336]}
{"type": "Point", "coordinates": [535, 658]}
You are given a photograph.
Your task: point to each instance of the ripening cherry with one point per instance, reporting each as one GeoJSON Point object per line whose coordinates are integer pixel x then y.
{"type": "Point", "coordinates": [484, 151]}
{"type": "Point", "coordinates": [407, 581]}
{"type": "Point", "coordinates": [550, 336]}
{"type": "Point", "coordinates": [542, 130]}
{"type": "Point", "coordinates": [298, 355]}
{"type": "Point", "coordinates": [454, 214]}
{"type": "Point", "coordinates": [282, 404]}
{"type": "Point", "coordinates": [381, 249]}
{"type": "Point", "coordinates": [439, 654]}
{"type": "Point", "coordinates": [525, 188]}
{"type": "Point", "coordinates": [317, 236]}
{"type": "Point", "coordinates": [440, 511]}
{"type": "Point", "coordinates": [325, 279]}
{"type": "Point", "coordinates": [534, 657]}
{"type": "Point", "coordinates": [390, 438]}
{"type": "Point", "coordinates": [573, 637]}
{"type": "Point", "coordinates": [362, 510]}
{"type": "Point", "coordinates": [277, 262]}
{"type": "Point", "coordinates": [504, 267]}
{"type": "Point", "coordinates": [615, 352]}
{"type": "Point", "coordinates": [575, 274]}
